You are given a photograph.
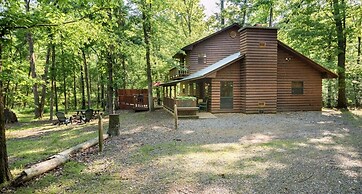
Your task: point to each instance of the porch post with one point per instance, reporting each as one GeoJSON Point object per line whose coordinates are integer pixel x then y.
{"type": "Point", "coordinates": [174, 92]}
{"type": "Point", "coordinates": [170, 92]}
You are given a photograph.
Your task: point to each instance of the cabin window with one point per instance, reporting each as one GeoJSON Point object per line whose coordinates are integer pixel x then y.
{"type": "Point", "coordinates": [297, 87]}
{"type": "Point", "coordinates": [226, 95]}
{"type": "Point", "coordinates": [201, 58]}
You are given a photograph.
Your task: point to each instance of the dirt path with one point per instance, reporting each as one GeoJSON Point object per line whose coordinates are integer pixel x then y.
{"type": "Point", "coordinates": [304, 152]}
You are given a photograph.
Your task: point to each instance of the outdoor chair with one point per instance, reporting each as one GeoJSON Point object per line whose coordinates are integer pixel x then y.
{"type": "Point", "coordinates": [203, 105]}
{"type": "Point", "coordinates": [88, 115]}
{"type": "Point", "coordinates": [62, 119]}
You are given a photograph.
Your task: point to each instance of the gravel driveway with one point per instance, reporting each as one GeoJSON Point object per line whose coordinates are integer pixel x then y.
{"type": "Point", "coordinates": [302, 152]}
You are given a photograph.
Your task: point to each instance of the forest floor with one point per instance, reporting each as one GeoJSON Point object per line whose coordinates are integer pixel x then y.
{"type": "Point", "coordinates": [299, 152]}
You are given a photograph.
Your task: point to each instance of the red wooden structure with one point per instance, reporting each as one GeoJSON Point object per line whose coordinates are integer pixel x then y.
{"type": "Point", "coordinates": [136, 99]}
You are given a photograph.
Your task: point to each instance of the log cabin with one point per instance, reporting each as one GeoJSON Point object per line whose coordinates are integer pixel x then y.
{"type": "Point", "coordinates": [246, 70]}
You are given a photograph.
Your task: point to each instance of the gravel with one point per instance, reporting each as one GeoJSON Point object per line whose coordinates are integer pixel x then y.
{"type": "Point", "coordinates": [299, 152]}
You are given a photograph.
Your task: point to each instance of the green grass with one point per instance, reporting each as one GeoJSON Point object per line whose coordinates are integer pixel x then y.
{"type": "Point", "coordinates": [352, 118]}
{"type": "Point", "coordinates": [29, 143]}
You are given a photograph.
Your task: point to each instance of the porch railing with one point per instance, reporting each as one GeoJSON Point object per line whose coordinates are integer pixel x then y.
{"type": "Point", "coordinates": [176, 73]}
{"type": "Point", "coordinates": [169, 103]}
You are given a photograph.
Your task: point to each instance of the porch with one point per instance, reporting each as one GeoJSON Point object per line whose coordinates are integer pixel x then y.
{"type": "Point", "coordinates": [190, 97]}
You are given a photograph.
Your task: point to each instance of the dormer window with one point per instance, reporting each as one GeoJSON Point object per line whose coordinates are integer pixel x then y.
{"type": "Point", "coordinates": [201, 58]}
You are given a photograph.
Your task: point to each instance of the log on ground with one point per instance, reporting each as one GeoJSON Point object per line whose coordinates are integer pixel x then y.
{"type": "Point", "coordinates": [52, 162]}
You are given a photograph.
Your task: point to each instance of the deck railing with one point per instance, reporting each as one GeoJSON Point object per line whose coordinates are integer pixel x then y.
{"type": "Point", "coordinates": [168, 103]}
{"type": "Point", "coordinates": [176, 73]}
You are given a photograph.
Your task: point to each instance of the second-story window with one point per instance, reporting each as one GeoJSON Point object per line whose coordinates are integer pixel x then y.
{"type": "Point", "coordinates": [201, 58]}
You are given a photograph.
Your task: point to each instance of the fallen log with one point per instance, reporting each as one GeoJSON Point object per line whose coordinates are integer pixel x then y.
{"type": "Point", "coordinates": [52, 162]}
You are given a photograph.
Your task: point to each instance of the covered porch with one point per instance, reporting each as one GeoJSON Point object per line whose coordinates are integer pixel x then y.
{"type": "Point", "coordinates": [187, 94]}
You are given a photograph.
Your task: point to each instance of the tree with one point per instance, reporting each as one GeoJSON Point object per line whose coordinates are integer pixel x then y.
{"type": "Point", "coordinates": [146, 23]}
{"type": "Point", "coordinates": [4, 164]}
{"type": "Point", "coordinates": [339, 15]}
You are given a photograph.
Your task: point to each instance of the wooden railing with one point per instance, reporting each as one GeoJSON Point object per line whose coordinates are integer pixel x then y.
{"type": "Point", "coordinates": [175, 73]}
{"type": "Point", "coordinates": [168, 103]}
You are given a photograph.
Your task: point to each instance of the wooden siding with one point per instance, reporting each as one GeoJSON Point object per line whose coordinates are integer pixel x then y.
{"type": "Point", "coordinates": [216, 48]}
{"type": "Point", "coordinates": [259, 70]}
{"type": "Point", "coordinates": [296, 70]}
{"type": "Point", "coordinates": [230, 73]}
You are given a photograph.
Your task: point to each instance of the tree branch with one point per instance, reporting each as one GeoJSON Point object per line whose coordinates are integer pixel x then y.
{"type": "Point", "coordinates": [59, 24]}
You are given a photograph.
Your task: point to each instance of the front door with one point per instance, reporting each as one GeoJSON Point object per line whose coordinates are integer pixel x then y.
{"type": "Point", "coordinates": [226, 95]}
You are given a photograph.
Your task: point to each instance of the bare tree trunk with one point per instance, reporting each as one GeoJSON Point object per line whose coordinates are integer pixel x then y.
{"type": "Point", "coordinates": [4, 163]}
{"type": "Point", "coordinates": [124, 77]}
{"type": "Point", "coordinates": [244, 8]}
{"type": "Point", "coordinates": [110, 81]}
{"type": "Point", "coordinates": [56, 96]}
{"type": "Point", "coordinates": [86, 78]}
{"type": "Point", "coordinates": [75, 89]}
{"type": "Point", "coordinates": [359, 50]}
{"type": "Point", "coordinates": [98, 92]}
{"type": "Point", "coordinates": [33, 74]}
{"type": "Point", "coordinates": [146, 32]}
{"type": "Point", "coordinates": [15, 89]}
{"type": "Point", "coordinates": [6, 93]}
{"type": "Point", "coordinates": [339, 18]}
{"type": "Point", "coordinates": [102, 93]}
{"type": "Point", "coordinates": [356, 85]}
{"type": "Point", "coordinates": [45, 79]}
{"type": "Point", "coordinates": [64, 79]}
{"type": "Point", "coordinates": [82, 86]}
{"type": "Point", "coordinates": [222, 19]}
{"type": "Point", "coordinates": [32, 66]}
{"type": "Point", "coordinates": [52, 82]}
{"type": "Point", "coordinates": [271, 16]}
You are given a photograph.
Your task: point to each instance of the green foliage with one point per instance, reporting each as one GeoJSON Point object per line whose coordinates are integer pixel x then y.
{"type": "Point", "coordinates": [186, 98]}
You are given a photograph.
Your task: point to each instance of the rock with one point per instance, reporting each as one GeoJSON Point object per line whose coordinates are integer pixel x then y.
{"type": "Point", "coordinates": [10, 116]}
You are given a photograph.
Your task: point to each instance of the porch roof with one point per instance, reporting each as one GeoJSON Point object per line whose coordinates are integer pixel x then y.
{"type": "Point", "coordinates": [207, 70]}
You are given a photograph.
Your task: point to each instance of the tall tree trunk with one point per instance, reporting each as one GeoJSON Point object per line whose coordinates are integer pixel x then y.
{"type": "Point", "coordinates": [124, 77]}
{"type": "Point", "coordinates": [86, 78]}
{"type": "Point", "coordinates": [75, 89]}
{"type": "Point", "coordinates": [45, 80]}
{"type": "Point", "coordinates": [64, 79]}
{"type": "Point", "coordinates": [358, 50]}
{"type": "Point", "coordinates": [6, 93]}
{"type": "Point", "coordinates": [356, 85]}
{"type": "Point", "coordinates": [4, 164]}
{"type": "Point", "coordinates": [98, 92]}
{"type": "Point", "coordinates": [32, 66]}
{"type": "Point", "coordinates": [146, 33]}
{"type": "Point", "coordinates": [15, 89]}
{"type": "Point", "coordinates": [33, 74]}
{"type": "Point", "coordinates": [82, 86]}
{"type": "Point", "coordinates": [244, 8]}
{"type": "Point", "coordinates": [102, 93]}
{"type": "Point", "coordinates": [271, 16]}
{"type": "Point", "coordinates": [339, 18]}
{"type": "Point", "coordinates": [53, 76]}
{"type": "Point", "coordinates": [56, 96]}
{"type": "Point", "coordinates": [110, 81]}
{"type": "Point", "coordinates": [222, 19]}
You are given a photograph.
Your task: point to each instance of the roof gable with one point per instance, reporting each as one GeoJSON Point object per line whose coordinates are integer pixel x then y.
{"type": "Point", "coordinates": [326, 72]}
{"type": "Point", "coordinates": [190, 46]}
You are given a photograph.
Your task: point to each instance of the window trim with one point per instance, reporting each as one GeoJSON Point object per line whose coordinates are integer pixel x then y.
{"type": "Point", "coordinates": [297, 90]}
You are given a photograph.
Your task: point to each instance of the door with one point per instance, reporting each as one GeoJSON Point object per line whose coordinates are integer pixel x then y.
{"type": "Point", "coordinates": [226, 95]}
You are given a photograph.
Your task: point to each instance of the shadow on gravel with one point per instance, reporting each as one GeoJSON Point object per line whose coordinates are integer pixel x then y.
{"type": "Point", "coordinates": [304, 152]}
